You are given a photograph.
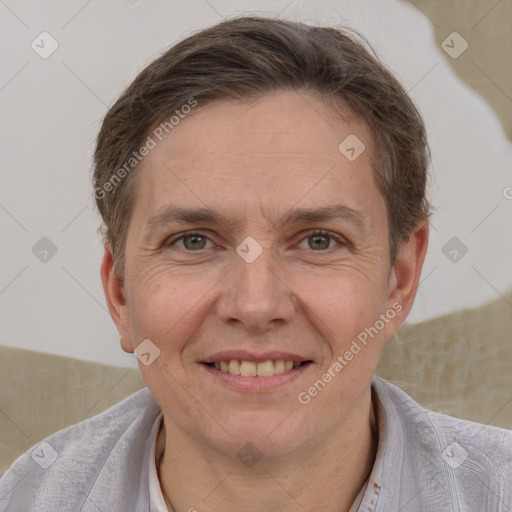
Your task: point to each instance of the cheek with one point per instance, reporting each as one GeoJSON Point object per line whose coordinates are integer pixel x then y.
{"type": "Point", "coordinates": [347, 300]}
{"type": "Point", "coordinates": [348, 313]}
{"type": "Point", "coordinates": [165, 308]}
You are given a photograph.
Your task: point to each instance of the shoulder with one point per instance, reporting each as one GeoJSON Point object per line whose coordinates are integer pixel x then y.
{"type": "Point", "coordinates": [486, 448]}
{"type": "Point", "coordinates": [479, 438]}
{"type": "Point", "coordinates": [477, 460]}
{"type": "Point", "coordinates": [472, 461]}
{"type": "Point", "coordinates": [64, 467]}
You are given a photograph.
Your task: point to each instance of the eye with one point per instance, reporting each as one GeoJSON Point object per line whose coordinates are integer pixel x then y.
{"type": "Point", "coordinates": [191, 241]}
{"type": "Point", "coordinates": [318, 240]}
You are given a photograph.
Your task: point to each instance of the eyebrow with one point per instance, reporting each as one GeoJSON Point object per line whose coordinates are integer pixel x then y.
{"type": "Point", "coordinates": [176, 214]}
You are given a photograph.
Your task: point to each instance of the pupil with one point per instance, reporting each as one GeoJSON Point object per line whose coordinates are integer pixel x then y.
{"type": "Point", "coordinates": [195, 242]}
{"type": "Point", "coordinates": [317, 237]}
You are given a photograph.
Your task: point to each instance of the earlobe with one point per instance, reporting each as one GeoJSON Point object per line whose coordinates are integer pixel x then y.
{"type": "Point", "coordinates": [113, 288]}
{"type": "Point", "coordinates": [406, 272]}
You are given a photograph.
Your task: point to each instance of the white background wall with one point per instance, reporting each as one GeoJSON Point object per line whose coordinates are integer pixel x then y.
{"type": "Point", "coordinates": [51, 110]}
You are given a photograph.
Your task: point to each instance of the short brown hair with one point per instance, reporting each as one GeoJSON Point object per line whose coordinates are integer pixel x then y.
{"type": "Point", "coordinates": [245, 58]}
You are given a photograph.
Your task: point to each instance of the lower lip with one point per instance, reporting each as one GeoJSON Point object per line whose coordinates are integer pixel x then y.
{"type": "Point", "coordinates": [256, 384]}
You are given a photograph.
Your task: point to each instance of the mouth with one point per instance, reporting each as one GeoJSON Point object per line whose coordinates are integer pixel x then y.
{"type": "Point", "coordinates": [246, 368]}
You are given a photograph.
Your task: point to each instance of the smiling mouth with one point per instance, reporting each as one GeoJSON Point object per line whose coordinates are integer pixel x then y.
{"type": "Point", "coordinates": [256, 369]}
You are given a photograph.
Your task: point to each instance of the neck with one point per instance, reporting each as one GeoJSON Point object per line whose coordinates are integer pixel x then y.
{"type": "Point", "coordinates": [327, 477]}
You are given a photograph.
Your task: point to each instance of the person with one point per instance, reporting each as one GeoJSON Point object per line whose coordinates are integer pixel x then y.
{"type": "Point", "coordinates": [295, 164]}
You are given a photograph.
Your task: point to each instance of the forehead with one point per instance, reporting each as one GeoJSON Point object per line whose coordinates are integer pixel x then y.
{"type": "Point", "coordinates": [281, 149]}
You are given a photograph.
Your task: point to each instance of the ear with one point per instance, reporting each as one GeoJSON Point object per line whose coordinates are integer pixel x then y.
{"type": "Point", "coordinates": [113, 287]}
{"type": "Point", "coordinates": [405, 276]}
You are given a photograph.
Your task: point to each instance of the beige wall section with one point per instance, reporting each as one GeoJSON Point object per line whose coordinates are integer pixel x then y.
{"type": "Point", "coordinates": [486, 65]}
{"type": "Point", "coordinates": [458, 364]}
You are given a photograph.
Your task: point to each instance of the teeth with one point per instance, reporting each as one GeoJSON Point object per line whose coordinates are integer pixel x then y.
{"type": "Point", "coordinates": [265, 369]}
{"type": "Point", "coordinates": [252, 369]}
{"type": "Point", "coordinates": [279, 366]}
{"type": "Point", "coordinates": [247, 369]}
{"type": "Point", "coordinates": [234, 367]}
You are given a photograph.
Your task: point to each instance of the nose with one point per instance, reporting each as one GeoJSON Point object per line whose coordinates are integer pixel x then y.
{"type": "Point", "coordinates": [256, 295]}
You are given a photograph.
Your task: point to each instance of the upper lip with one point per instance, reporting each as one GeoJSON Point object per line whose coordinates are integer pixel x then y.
{"type": "Point", "coordinates": [246, 355]}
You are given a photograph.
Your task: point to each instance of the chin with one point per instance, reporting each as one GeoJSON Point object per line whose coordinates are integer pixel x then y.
{"type": "Point", "coordinates": [262, 433]}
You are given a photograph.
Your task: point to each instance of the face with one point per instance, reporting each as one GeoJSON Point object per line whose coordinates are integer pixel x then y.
{"type": "Point", "coordinates": [289, 269]}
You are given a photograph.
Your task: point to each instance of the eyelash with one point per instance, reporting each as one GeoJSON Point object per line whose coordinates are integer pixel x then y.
{"type": "Point", "coordinates": [314, 232]}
